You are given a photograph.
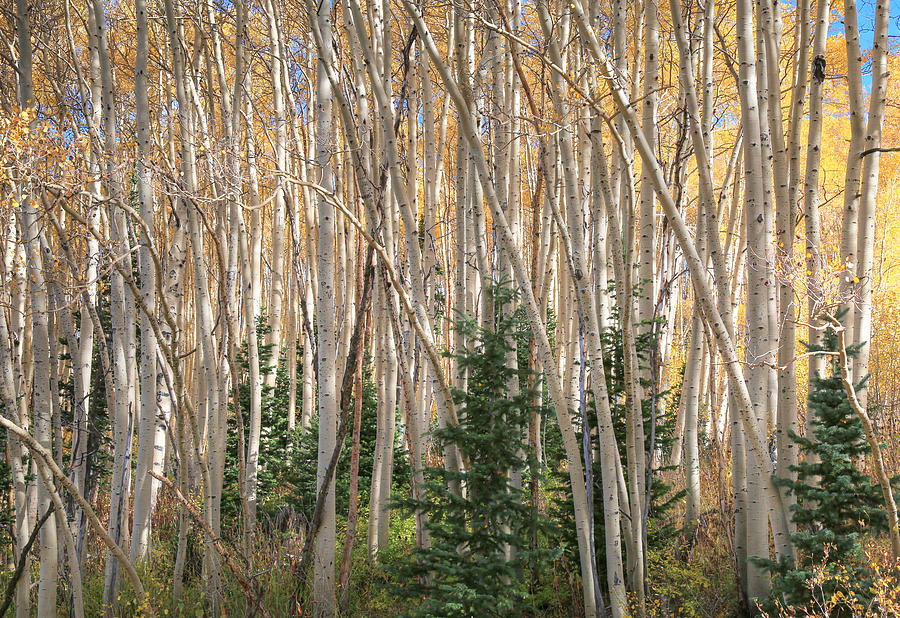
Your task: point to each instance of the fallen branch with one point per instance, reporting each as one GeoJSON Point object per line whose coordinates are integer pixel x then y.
{"type": "Point", "coordinates": [47, 458]}
{"type": "Point", "coordinates": [251, 591]}
{"type": "Point", "coordinates": [20, 564]}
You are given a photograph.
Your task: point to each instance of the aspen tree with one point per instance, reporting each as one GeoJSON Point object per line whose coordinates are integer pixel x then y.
{"type": "Point", "coordinates": [853, 171]}
{"type": "Point", "coordinates": [24, 520]}
{"type": "Point", "coordinates": [148, 419]}
{"type": "Point", "coordinates": [709, 238]}
{"type": "Point", "coordinates": [723, 339]}
{"type": "Point", "coordinates": [701, 120]}
{"type": "Point", "coordinates": [647, 281]}
{"type": "Point", "coordinates": [323, 572]}
{"type": "Point", "coordinates": [121, 419]}
{"type": "Point", "coordinates": [464, 292]}
{"type": "Point", "coordinates": [276, 297]}
{"type": "Point", "coordinates": [255, 203]}
{"type": "Point", "coordinates": [572, 449]}
{"type": "Point", "coordinates": [622, 205]}
{"type": "Point", "coordinates": [508, 108]}
{"type": "Point", "coordinates": [41, 403]}
{"type": "Point", "coordinates": [757, 355]}
{"type": "Point", "coordinates": [862, 328]}
{"type": "Point", "coordinates": [416, 374]}
{"type": "Point", "coordinates": [208, 392]}
{"type": "Point", "coordinates": [232, 234]}
{"type": "Point", "coordinates": [8, 392]}
{"type": "Point", "coordinates": [692, 396]}
{"type": "Point", "coordinates": [250, 251]}
{"type": "Point", "coordinates": [573, 238]}
{"type": "Point", "coordinates": [634, 434]}
{"type": "Point", "coordinates": [398, 189]}
{"type": "Point", "coordinates": [277, 289]}
{"type": "Point", "coordinates": [785, 221]}
{"type": "Point", "coordinates": [48, 465]}
{"type": "Point", "coordinates": [814, 260]}
{"type": "Point", "coordinates": [165, 206]}
{"type": "Point", "coordinates": [599, 222]}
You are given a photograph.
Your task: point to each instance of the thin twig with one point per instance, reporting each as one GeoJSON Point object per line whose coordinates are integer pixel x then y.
{"type": "Point", "coordinates": [20, 564]}
{"type": "Point", "coordinates": [251, 589]}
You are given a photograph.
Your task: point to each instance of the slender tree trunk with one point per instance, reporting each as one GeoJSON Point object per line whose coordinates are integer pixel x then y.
{"type": "Point", "coordinates": [852, 175]}
{"type": "Point", "coordinates": [24, 519]}
{"type": "Point", "coordinates": [353, 513]}
{"type": "Point", "coordinates": [323, 573]}
{"type": "Point", "coordinates": [148, 419]}
{"type": "Point", "coordinates": [276, 293]}
{"type": "Point", "coordinates": [862, 328]}
{"type": "Point", "coordinates": [814, 259]}
{"type": "Point", "coordinates": [573, 455]}
{"type": "Point", "coordinates": [42, 401]}
{"type": "Point", "coordinates": [208, 387]}
{"type": "Point", "coordinates": [723, 338]}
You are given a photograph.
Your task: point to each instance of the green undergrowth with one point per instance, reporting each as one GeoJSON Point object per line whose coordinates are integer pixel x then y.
{"type": "Point", "coordinates": [700, 584]}
{"type": "Point", "coordinates": [553, 593]}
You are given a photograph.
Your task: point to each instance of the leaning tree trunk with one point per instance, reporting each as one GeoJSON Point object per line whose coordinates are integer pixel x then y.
{"type": "Point", "coordinates": [724, 339]}
{"type": "Point", "coordinates": [573, 454]}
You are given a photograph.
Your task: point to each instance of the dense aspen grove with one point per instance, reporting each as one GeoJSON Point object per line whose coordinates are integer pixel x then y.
{"type": "Point", "coordinates": [449, 308]}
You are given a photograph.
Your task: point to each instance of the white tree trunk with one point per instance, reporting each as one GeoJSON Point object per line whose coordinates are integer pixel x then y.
{"type": "Point", "coordinates": [148, 417]}
{"type": "Point", "coordinates": [323, 572]}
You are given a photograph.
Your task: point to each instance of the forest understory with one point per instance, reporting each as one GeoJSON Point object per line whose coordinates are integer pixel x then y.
{"type": "Point", "coordinates": [449, 308]}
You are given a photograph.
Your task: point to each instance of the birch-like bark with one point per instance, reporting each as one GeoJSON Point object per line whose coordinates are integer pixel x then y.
{"type": "Point", "coordinates": [399, 187]}
{"type": "Point", "coordinates": [323, 571]}
{"type": "Point", "coordinates": [573, 454]}
{"type": "Point", "coordinates": [573, 242]}
{"type": "Point", "coordinates": [724, 340]}
{"type": "Point", "coordinates": [647, 280]}
{"type": "Point", "coordinates": [24, 519]}
{"type": "Point", "coordinates": [353, 512]}
{"type": "Point", "coordinates": [782, 311]}
{"type": "Point", "coordinates": [8, 392]}
{"type": "Point", "coordinates": [208, 391]}
{"type": "Point", "coordinates": [852, 175]}
{"type": "Point", "coordinates": [276, 295]}
{"type": "Point", "coordinates": [862, 328]}
{"type": "Point", "coordinates": [252, 279]}
{"type": "Point", "coordinates": [41, 403]}
{"type": "Point", "coordinates": [121, 420]}
{"type": "Point", "coordinates": [82, 347]}
{"type": "Point", "coordinates": [417, 389]}
{"type": "Point", "coordinates": [757, 356]}
{"type": "Point", "coordinates": [47, 463]}
{"type": "Point", "coordinates": [148, 418]}
{"type": "Point", "coordinates": [814, 258]}
{"type": "Point", "coordinates": [691, 397]}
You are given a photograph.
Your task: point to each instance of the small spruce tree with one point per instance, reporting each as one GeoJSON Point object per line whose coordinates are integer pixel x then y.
{"type": "Point", "coordinates": [662, 524]}
{"type": "Point", "coordinates": [836, 502]}
{"type": "Point", "coordinates": [466, 571]}
{"type": "Point", "coordinates": [300, 476]}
